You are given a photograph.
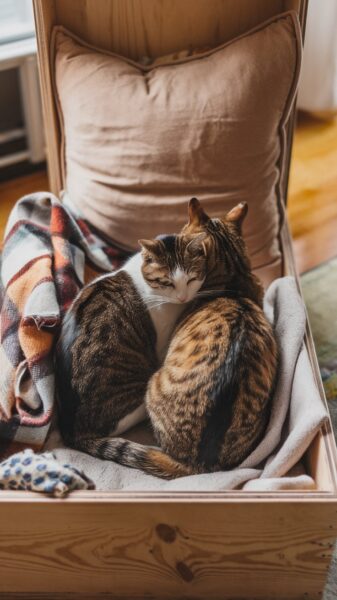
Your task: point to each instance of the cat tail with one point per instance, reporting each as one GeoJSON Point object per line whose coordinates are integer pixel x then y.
{"type": "Point", "coordinates": [149, 459]}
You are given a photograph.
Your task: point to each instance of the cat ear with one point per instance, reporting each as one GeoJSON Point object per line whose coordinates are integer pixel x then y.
{"type": "Point", "coordinates": [152, 246]}
{"type": "Point", "coordinates": [237, 214]}
{"type": "Point", "coordinates": [197, 215]}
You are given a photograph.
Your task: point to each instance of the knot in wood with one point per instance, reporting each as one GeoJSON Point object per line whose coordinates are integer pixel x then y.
{"type": "Point", "coordinates": [166, 533]}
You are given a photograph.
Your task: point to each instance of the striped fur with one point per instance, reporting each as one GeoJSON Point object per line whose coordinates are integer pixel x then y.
{"type": "Point", "coordinates": [105, 357]}
{"type": "Point", "coordinates": [209, 402]}
{"type": "Point", "coordinates": [115, 334]}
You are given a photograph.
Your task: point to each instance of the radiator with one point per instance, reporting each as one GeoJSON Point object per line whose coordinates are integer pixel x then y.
{"type": "Point", "coordinates": [22, 56]}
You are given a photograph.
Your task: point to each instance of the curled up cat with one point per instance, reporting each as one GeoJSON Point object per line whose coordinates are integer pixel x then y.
{"type": "Point", "coordinates": [209, 402]}
{"type": "Point", "coordinates": [115, 336]}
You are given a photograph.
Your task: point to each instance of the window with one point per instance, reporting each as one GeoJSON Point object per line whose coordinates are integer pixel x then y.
{"type": "Point", "coordinates": [16, 20]}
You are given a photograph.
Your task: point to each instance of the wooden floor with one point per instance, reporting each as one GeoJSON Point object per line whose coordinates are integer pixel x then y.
{"type": "Point", "coordinates": [312, 192]}
{"type": "Point", "coordinates": [312, 202]}
{"type": "Point", "coordinates": [11, 190]}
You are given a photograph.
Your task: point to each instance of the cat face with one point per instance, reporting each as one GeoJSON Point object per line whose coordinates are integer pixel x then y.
{"type": "Point", "coordinates": [224, 246]}
{"type": "Point", "coordinates": [174, 266]}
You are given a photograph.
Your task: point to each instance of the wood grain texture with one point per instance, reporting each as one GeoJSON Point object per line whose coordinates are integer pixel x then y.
{"type": "Point", "coordinates": [158, 27]}
{"type": "Point", "coordinates": [321, 457]}
{"type": "Point", "coordinates": [167, 550]}
{"type": "Point", "coordinates": [44, 13]}
{"type": "Point", "coordinates": [312, 203]}
{"type": "Point", "coordinates": [11, 191]}
{"type": "Point", "coordinates": [319, 460]}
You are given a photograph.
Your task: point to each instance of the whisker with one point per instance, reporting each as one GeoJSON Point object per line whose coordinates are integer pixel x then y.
{"type": "Point", "coordinates": [153, 304]}
{"type": "Point", "coordinates": [156, 306]}
{"type": "Point", "coordinates": [156, 301]}
{"type": "Point", "coordinates": [157, 297]}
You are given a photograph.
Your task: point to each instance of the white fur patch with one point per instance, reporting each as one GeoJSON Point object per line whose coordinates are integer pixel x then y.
{"type": "Point", "coordinates": [164, 311]}
{"type": "Point", "coordinates": [165, 305]}
{"type": "Point", "coordinates": [180, 279]}
{"type": "Point", "coordinates": [136, 416]}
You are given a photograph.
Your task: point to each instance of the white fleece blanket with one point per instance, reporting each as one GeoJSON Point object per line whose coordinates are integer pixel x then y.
{"type": "Point", "coordinates": [297, 414]}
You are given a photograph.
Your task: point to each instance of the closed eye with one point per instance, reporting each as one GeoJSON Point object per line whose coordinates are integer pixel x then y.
{"type": "Point", "coordinates": [167, 283]}
{"type": "Point", "coordinates": [192, 279]}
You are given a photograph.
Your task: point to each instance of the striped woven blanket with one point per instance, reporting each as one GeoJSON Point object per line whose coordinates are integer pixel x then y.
{"type": "Point", "coordinates": [48, 254]}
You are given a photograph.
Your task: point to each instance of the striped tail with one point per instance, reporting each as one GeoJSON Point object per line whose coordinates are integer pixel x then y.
{"type": "Point", "coordinates": [130, 454]}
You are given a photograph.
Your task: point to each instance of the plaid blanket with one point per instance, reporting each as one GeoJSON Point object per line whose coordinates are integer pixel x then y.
{"type": "Point", "coordinates": [49, 252]}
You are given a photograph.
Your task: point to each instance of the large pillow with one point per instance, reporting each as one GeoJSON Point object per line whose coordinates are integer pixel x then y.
{"type": "Point", "coordinates": [139, 141]}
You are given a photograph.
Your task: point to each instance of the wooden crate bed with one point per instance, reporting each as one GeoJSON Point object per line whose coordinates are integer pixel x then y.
{"type": "Point", "coordinates": [212, 545]}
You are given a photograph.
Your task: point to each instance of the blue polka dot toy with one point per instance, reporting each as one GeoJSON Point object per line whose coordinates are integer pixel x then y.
{"type": "Point", "coordinates": [41, 473]}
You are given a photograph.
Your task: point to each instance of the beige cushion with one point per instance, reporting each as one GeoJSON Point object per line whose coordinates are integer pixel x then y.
{"type": "Point", "coordinates": [138, 141]}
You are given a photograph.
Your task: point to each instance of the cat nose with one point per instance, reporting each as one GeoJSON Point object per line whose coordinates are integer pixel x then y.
{"type": "Point", "coordinates": [181, 297]}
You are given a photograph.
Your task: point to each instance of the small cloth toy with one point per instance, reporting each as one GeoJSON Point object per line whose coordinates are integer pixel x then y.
{"type": "Point", "coordinates": [41, 473]}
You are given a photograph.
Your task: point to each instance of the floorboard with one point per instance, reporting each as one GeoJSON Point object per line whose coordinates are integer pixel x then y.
{"type": "Point", "coordinates": [13, 189]}
{"type": "Point", "coordinates": [312, 203]}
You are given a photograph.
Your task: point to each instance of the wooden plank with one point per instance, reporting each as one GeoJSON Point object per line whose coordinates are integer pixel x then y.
{"type": "Point", "coordinates": [318, 464]}
{"type": "Point", "coordinates": [312, 191]}
{"type": "Point", "coordinates": [44, 13]}
{"type": "Point", "coordinates": [11, 191]}
{"type": "Point", "coordinates": [327, 439]}
{"type": "Point", "coordinates": [158, 27]}
{"type": "Point", "coordinates": [301, 7]}
{"type": "Point", "coordinates": [167, 550]}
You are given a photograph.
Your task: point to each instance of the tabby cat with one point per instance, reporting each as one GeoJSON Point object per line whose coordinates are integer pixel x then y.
{"type": "Point", "coordinates": [209, 402]}
{"type": "Point", "coordinates": [116, 334]}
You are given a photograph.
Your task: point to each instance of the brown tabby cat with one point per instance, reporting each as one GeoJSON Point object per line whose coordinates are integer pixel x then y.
{"type": "Point", "coordinates": [209, 402]}
{"type": "Point", "coordinates": [116, 334]}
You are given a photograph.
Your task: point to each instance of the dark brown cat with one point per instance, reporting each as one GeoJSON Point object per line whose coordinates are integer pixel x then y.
{"type": "Point", "coordinates": [209, 402]}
